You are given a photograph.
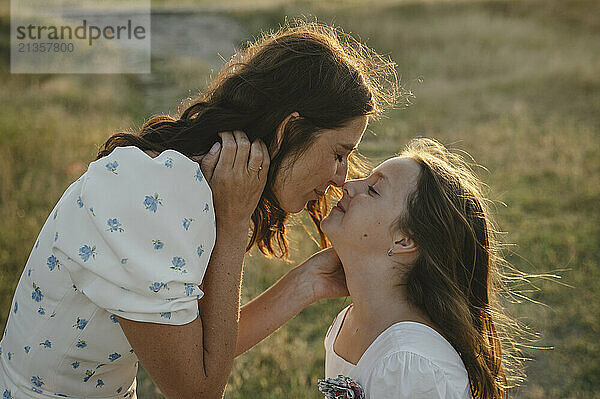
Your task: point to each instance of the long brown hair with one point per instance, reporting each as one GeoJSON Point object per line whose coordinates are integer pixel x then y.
{"type": "Point", "coordinates": [456, 276]}
{"type": "Point", "coordinates": [314, 69]}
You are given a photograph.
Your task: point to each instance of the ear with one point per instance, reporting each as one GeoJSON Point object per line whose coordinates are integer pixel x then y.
{"type": "Point", "coordinates": [404, 246]}
{"type": "Point", "coordinates": [279, 133]}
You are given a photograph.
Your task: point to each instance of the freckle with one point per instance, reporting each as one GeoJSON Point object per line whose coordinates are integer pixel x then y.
{"type": "Point", "coordinates": [366, 235]}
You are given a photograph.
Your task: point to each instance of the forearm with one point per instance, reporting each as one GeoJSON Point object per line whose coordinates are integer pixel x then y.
{"type": "Point", "coordinates": [270, 310]}
{"type": "Point", "coordinates": [219, 307]}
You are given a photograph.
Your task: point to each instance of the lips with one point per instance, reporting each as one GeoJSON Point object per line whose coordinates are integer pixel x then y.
{"type": "Point", "coordinates": [340, 207]}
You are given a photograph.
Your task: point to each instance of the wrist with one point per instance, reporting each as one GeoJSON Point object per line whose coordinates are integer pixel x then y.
{"type": "Point", "coordinates": [304, 282]}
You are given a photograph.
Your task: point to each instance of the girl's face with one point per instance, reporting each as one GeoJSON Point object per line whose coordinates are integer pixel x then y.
{"type": "Point", "coordinates": [361, 221]}
{"type": "Point", "coordinates": [325, 163]}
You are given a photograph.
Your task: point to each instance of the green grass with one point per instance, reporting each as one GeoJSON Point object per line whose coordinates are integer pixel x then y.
{"type": "Point", "coordinates": [515, 84]}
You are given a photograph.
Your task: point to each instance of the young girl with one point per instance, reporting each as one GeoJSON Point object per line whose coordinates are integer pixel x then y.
{"type": "Point", "coordinates": [417, 249]}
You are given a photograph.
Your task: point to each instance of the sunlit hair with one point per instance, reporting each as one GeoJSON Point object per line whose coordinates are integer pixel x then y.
{"type": "Point", "coordinates": [456, 278]}
{"type": "Point", "coordinates": [319, 71]}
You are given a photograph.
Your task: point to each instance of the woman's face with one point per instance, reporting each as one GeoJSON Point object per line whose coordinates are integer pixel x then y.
{"type": "Point", "coordinates": [325, 163]}
{"type": "Point", "coordinates": [362, 219]}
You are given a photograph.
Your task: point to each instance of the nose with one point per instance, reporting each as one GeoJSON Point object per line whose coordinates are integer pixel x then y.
{"type": "Point", "coordinates": [351, 187]}
{"type": "Point", "coordinates": [341, 174]}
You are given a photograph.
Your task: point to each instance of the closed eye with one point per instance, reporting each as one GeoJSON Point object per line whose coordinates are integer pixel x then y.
{"type": "Point", "coordinates": [373, 190]}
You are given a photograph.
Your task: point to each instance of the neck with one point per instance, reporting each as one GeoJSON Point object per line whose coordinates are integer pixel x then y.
{"type": "Point", "coordinates": [378, 298]}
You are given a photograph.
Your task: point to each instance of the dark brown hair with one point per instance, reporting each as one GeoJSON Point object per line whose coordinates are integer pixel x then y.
{"type": "Point", "coordinates": [319, 71]}
{"type": "Point", "coordinates": [456, 277]}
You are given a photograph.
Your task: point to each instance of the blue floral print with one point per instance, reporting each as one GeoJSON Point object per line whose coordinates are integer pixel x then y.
{"type": "Point", "coordinates": [88, 375]}
{"type": "Point", "coordinates": [6, 394]}
{"type": "Point", "coordinates": [166, 315]}
{"type": "Point", "coordinates": [158, 244]}
{"type": "Point", "coordinates": [156, 286]}
{"type": "Point", "coordinates": [27, 348]}
{"type": "Point", "coordinates": [52, 262]}
{"type": "Point", "coordinates": [169, 163]}
{"type": "Point", "coordinates": [16, 307]}
{"type": "Point", "coordinates": [85, 252]}
{"type": "Point", "coordinates": [80, 323]}
{"type": "Point", "coordinates": [55, 236]}
{"type": "Point", "coordinates": [206, 207]}
{"type": "Point", "coordinates": [79, 202]}
{"type": "Point", "coordinates": [113, 318]}
{"type": "Point", "coordinates": [9, 354]}
{"type": "Point", "coordinates": [75, 365]}
{"type": "Point", "coordinates": [37, 381]}
{"type": "Point", "coordinates": [178, 264]}
{"type": "Point", "coordinates": [114, 225]}
{"type": "Point", "coordinates": [46, 344]}
{"type": "Point", "coordinates": [189, 289]}
{"type": "Point", "coordinates": [55, 214]}
{"type": "Point", "coordinates": [37, 295]}
{"type": "Point", "coordinates": [112, 167]}
{"type": "Point", "coordinates": [99, 384]}
{"type": "Point", "coordinates": [113, 356]}
{"type": "Point", "coordinates": [81, 344]}
{"type": "Point", "coordinates": [41, 311]}
{"type": "Point", "coordinates": [36, 390]}
{"type": "Point", "coordinates": [119, 389]}
{"type": "Point", "coordinates": [92, 211]}
{"type": "Point", "coordinates": [199, 175]}
{"type": "Point", "coordinates": [152, 202]}
{"type": "Point", "coordinates": [187, 222]}
{"type": "Point", "coordinates": [124, 261]}
{"type": "Point", "coordinates": [200, 250]}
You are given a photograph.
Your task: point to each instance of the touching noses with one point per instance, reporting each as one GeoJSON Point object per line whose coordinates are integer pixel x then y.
{"type": "Point", "coordinates": [349, 189]}
{"type": "Point", "coordinates": [341, 173]}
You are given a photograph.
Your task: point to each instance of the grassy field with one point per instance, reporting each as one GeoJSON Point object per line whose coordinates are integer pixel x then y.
{"type": "Point", "coordinates": [516, 84]}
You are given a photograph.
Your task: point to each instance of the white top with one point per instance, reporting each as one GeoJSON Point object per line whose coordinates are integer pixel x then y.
{"type": "Point", "coordinates": [407, 360]}
{"type": "Point", "coordinates": [131, 237]}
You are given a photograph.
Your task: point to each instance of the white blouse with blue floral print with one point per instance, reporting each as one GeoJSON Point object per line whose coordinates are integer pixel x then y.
{"type": "Point", "coordinates": [131, 237]}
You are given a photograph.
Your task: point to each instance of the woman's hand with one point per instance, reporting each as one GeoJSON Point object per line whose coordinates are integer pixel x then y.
{"type": "Point", "coordinates": [324, 272]}
{"type": "Point", "coordinates": [237, 173]}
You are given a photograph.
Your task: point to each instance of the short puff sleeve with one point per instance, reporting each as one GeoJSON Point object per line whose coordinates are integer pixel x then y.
{"type": "Point", "coordinates": [136, 235]}
{"type": "Point", "coordinates": [404, 375]}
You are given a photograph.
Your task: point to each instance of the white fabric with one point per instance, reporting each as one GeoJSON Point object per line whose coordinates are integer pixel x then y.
{"type": "Point", "coordinates": [407, 360]}
{"type": "Point", "coordinates": [131, 237]}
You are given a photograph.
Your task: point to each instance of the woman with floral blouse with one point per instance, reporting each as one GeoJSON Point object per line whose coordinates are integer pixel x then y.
{"type": "Point", "coordinates": [141, 258]}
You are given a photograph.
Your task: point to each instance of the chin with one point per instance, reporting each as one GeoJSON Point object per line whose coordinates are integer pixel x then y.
{"type": "Point", "coordinates": [293, 208]}
{"type": "Point", "coordinates": [326, 226]}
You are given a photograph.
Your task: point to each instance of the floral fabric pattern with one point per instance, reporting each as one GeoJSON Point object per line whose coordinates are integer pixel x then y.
{"type": "Point", "coordinates": [130, 238]}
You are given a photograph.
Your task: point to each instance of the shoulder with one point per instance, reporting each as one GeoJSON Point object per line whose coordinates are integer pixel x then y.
{"type": "Point", "coordinates": [417, 357]}
{"type": "Point", "coordinates": [124, 161]}
{"type": "Point", "coordinates": [420, 340]}
{"type": "Point", "coordinates": [130, 179]}
{"type": "Point", "coordinates": [404, 374]}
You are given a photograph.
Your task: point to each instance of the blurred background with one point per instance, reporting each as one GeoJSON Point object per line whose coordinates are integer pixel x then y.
{"type": "Point", "coordinates": [514, 83]}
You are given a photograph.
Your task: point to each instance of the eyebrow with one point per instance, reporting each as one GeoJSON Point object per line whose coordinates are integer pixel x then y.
{"type": "Point", "coordinates": [382, 176]}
